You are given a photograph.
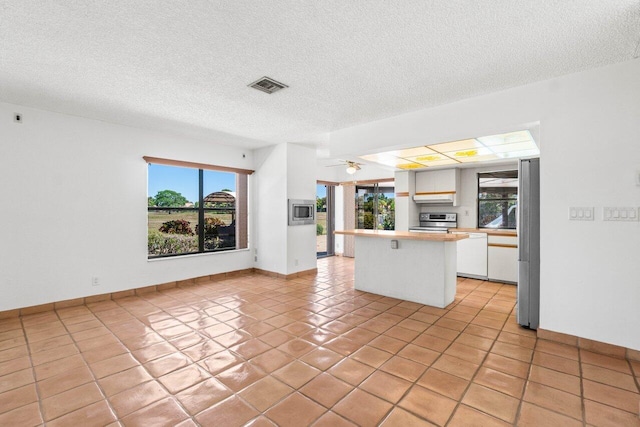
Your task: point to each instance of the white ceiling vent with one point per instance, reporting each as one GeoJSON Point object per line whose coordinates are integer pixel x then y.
{"type": "Point", "coordinates": [267, 85]}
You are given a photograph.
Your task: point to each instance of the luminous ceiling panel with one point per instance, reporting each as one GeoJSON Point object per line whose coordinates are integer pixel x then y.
{"type": "Point", "coordinates": [510, 145]}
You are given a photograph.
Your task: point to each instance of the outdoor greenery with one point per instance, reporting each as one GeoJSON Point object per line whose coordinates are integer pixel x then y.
{"type": "Point", "coordinates": [321, 204]}
{"type": "Point", "coordinates": [176, 226]}
{"type": "Point", "coordinates": [386, 212]}
{"type": "Point", "coordinates": [168, 199]}
{"type": "Point", "coordinates": [162, 244]}
{"type": "Point", "coordinates": [211, 225]}
{"type": "Point", "coordinates": [319, 230]}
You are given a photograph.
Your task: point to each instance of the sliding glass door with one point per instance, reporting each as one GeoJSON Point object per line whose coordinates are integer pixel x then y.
{"type": "Point", "coordinates": [325, 207]}
{"type": "Point", "coordinates": [375, 207]}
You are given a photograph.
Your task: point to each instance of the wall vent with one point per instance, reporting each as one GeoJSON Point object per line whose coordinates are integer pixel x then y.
{"type": "Point", "coordinates": [267, 85]}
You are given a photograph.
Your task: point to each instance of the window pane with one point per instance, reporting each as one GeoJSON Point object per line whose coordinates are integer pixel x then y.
{"type": "Point", "coordinates": [321, 219]}
{"type": "Point", "coordinates": [497, 199]}
{"type": "Point", "coordinates": [172, 231]}
{"type": "Point", "coordinates": [220, 201]}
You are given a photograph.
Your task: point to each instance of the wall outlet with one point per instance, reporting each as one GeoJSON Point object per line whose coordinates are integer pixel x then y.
{"type": "Point", "coordinates": [620, 214]}
{"type": "Point", "coordinates": [295, 261]}
{"type": "Point", "coordinates": [580, 214]}
{"type": "Point", "coordinates": [255, 258]}
{"type": "Point", "coordinates": [17, 117]}
{"type": "Point", "coordinates": [95, 281]}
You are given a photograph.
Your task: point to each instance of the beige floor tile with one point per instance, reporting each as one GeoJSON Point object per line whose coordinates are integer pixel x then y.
{"type": "Point", "coordinates": [609, 377]}
{"type": "Point", "coordinates": [17, 397]}
{"type": "Point", "coordinates": [351, 371]}
{"type": "Point", "coordinates": [612, 396]}
{"type": "Point", "coordinates": [401, 418]}
{"type": "Point", "coordinates": [165, 412]}
{"type": "Point", "coordinates": [230, 412]}
{"type": "Point", "coordinates": [429, 405]}
{"type": "Point", "coordinates": [203, 395]}
{"type": "Point", "coordinates": [296, 374]}
{"type": "Point", "coordinates": [362, 408]}
{"type": "Point", "coordinates": [124, 380]}
{"type": "Point", "coordinates": [240, 376]}
{"type": "Point", "coordinates": [326, 389]}
{"type": "Point", "coordinates": [444, 383]}
{"type": "Point", "coordinates": [186, 377]}
{"type": "Point", "coordinates": [97, 414]}
{"type": "Point", "coordinates": [534, 416]}
{"type": "Point", "coordinates": [555, 379]}
{"type": "Point", "coordinates": [455, 366]}
{"type": "Point", "coordinates": [601, 415]}
{"type": "Point", "coordinates": [265, 393]}
{"type": "Point", "coordinates": [331, 419]}
{"type": "Point", "coordinates": [28, 415]}
{"type": "Point", "coordinates": [467, 416]}
{"type": "Point", "coordinates": [553, 399]}
{"type": "Point", "coordinates": [491, 402]}
{"type": "Point", "coordinates": [64, 381]}
{"type": "Point", "coordinates": [505, 383]}
{"type": "Point", "coordinates": [135, 398]}
{"type": "Point", "coordinates": [295, 410]}
{"type": "Point", "coordinates": [70, 400]}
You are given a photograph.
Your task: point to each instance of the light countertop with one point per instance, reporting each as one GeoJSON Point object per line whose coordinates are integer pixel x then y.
{"type": "Point", "coordinates": [404, 235]}
{"type": "Point", "coordinates": [488, 231]}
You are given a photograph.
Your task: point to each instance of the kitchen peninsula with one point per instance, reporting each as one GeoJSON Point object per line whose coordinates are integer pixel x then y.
{"type": "Point", "coordinates": [418, 267]}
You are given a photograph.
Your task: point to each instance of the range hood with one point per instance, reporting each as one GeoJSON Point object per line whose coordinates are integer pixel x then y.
{"type": "Point", "coordinates": [435, 198]}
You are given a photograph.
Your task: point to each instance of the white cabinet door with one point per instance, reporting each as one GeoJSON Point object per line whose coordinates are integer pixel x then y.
{"type": "Point", "coordinates": [445, 180]}
{"type": "Point", "coordinates": [503, 258]}
{"type": "Point", "coordinates": [472, 256]}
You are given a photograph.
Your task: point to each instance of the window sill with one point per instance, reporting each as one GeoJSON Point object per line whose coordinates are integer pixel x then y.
{"type": "Point", "coordinates": [203, 254]}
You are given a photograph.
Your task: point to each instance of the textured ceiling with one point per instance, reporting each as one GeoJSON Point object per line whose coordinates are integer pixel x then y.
{"type": "Point", "coordinates": [185, 66]}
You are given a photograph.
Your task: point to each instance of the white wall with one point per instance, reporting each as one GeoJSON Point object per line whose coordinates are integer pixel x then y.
{"type": "Point", "coordinates": [284, 171]}
{"type": "Point", "coordinates": [271, 208]}
{"type": "Point", "coordinates": [75, 193]}
{"type": "Point", "coordinates": [589, 157]}
{"type": "Point", "coordinates": [301, 184]}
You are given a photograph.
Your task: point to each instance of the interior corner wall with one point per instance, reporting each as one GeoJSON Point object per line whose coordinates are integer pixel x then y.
{"type": "Point", "coordinates": [301, 184]}
{"type": "Point", "coordinates": [270, 205]}
{"type": "Point", "coordinates": [76, 207]}
{"type": "Point", "coordinates": [590, 157]}
{"type": "Point", "coordinates": [284, 171]}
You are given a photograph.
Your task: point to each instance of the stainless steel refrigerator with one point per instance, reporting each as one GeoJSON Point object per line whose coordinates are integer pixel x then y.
{"type": "Point", "coordinates": [529, 243]}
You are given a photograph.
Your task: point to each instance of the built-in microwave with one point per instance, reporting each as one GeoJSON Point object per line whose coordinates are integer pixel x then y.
{"type": "Point", "coordinates": [301, 212]}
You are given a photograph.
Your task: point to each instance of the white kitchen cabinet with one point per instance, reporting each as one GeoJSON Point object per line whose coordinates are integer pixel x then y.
{"type": "Point", "coordinates": [438, 182]}
{"type": "Point", "coordinates": [503, 258]}
{"type": "Point", "coordinates": [472, 256]}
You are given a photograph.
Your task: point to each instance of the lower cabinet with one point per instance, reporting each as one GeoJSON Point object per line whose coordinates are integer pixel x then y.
{"type": "Point", "coordinates": [502, 254]}
{"type": "Point", "coordinates": [472, 256]}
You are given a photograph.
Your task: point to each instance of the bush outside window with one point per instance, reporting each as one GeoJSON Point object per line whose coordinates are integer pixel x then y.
{"type": "Point", "coordinates": [180, 199]}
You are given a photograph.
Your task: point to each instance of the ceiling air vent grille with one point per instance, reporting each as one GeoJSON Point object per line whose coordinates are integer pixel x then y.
{"type": "Point", "coordinates": [267, 85]}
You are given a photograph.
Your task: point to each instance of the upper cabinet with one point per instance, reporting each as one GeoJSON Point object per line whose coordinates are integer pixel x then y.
{"type": "Point", "coordinates": [438, 187]}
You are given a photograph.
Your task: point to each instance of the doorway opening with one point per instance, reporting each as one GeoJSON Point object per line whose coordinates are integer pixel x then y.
{"type": "Point", "coordinates": [375, 207]}
{"type": "Point", "coordinates": [325, 219]}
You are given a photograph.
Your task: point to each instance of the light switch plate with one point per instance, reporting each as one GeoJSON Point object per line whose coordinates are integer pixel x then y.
{"type": "Point", "coordinates": [620, 214]}
{"type": "Point", "coordinates": [581, 214]}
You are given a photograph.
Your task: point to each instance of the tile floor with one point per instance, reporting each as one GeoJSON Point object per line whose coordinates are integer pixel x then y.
{"type": "Point", "coordinates": [261, 351]}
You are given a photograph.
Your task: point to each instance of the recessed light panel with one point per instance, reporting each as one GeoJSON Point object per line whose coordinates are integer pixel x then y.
{"type": "Point", "coordinates": [510, 145]}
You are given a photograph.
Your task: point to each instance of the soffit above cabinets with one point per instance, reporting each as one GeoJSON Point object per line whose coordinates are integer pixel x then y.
{"type": "Point", "coordinates": [512, 145]}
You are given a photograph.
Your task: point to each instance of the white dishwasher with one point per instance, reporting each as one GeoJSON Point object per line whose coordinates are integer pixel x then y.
{"type": "Point", "coordinates": [472, 256]}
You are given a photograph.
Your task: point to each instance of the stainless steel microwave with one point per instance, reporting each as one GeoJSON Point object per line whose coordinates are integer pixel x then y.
{"type": "Point", "coordinates": [302, 212]}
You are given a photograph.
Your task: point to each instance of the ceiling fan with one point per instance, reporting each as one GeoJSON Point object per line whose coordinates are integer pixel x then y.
{"type": "Point", "coordinates": [352, 167]}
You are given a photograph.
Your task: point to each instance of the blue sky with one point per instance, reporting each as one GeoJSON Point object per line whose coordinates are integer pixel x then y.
{"type": "Point", "coordinates": [185, 181]}
{"type": "Point", "coordinates": [321, 191]}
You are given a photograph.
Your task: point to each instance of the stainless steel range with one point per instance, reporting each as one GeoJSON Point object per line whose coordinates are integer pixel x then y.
{"type": "Point", "coordinates": [436, 222]}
